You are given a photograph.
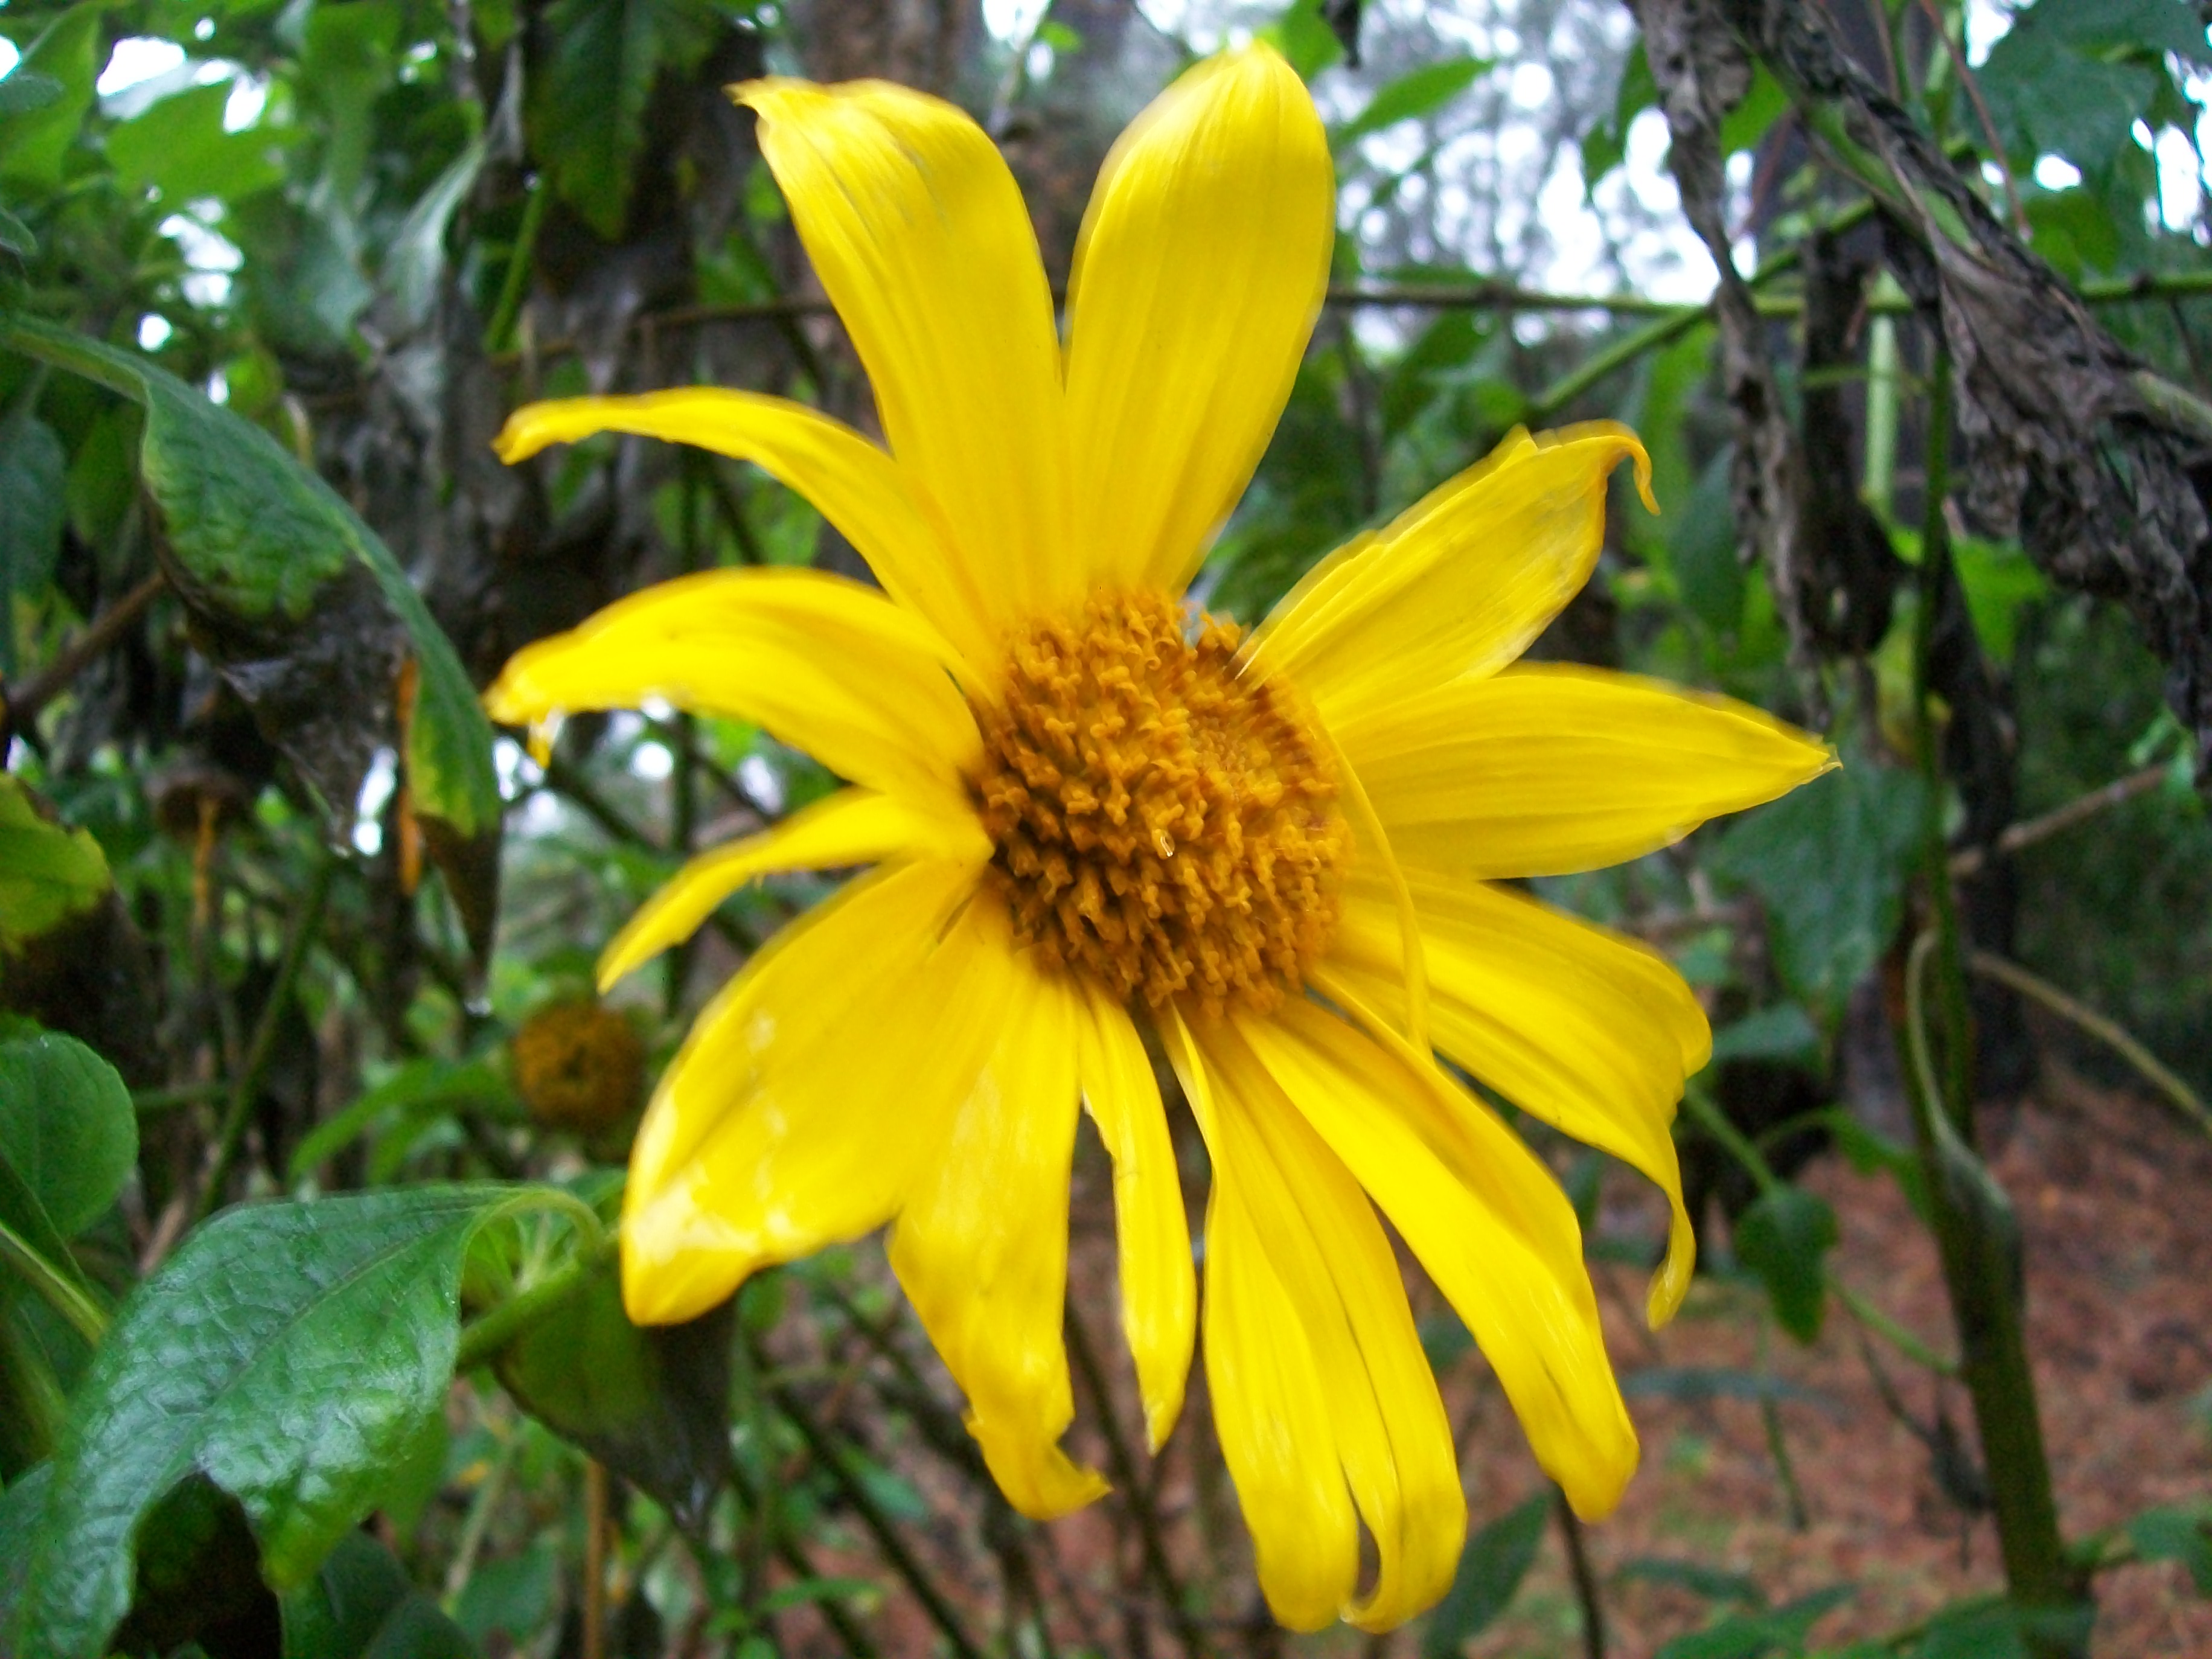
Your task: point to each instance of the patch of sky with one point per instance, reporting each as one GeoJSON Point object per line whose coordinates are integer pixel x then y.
{"type": "Point", "coordinates": [9, 56]}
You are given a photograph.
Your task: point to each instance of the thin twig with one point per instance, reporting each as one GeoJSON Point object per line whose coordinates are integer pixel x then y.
{"type": "Point", "coordinates": [2110, 1032]}
{"type": "Point", "coordinates": [2029, 831]}
{"type": "Point", "coordinates": [1150, 1536]}
{"type": "Point", "coordinates": [1982, 114]}
{"type": "Point", "coordinates": [879, 1525]}
{"type": "Point", "coordinates": [1671, 319]}
{"type": "Point", "coordinates": [595, 1559]}
{"type": "Point", "coordinates": [263, 1048]}
{"type": "Point", "coordinates": [19, 709]}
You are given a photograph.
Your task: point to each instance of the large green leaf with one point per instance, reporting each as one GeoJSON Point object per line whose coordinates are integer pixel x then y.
{"type": "Point", "coordinates": [653, 1405]}
{"type": "Point", "coordinates": [1785, 1237]}
{"type": "Point", "coordinates": [1829, 861]}
{"type": "Point", "coordinates": [1490, 1569]}
{"type": "Point", "coordinates": [35, 132]}
{"type": "Point", "coordinates": [49, 872]}
{"type": "Point", "coordinates": [181, 148]}
{"type": "Point", "coordinates": [67, 1127]}
{"type": "Point", "coordinates": [311, 618]}
{"type": "Point", "coordinates": [289, 1352]}
{"type": "Point", "coordinates": [587, 118]}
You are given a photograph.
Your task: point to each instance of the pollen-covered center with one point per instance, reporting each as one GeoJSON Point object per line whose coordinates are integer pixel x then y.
{"type": "Point", "coordinates": [1162, 825]}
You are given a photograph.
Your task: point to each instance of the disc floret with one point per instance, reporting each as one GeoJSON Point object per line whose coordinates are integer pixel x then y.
{"type": "Point", "coordinates": [1164, 825]}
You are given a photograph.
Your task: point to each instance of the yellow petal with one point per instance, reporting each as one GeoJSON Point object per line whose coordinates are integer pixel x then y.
{"type": "Point", "coordinates": [1484, 1216]}
{"type": "Point", "coordinates": [823, 663]}
{"type": "Point", "coordinates": [854, 826]}
{"type": "Point", "coordinates": [1202, 264]}
{"type": "Point", "coordinates": [920, 237]}
{"type": "Point", "coordinates": [1459, 584]}
{"type": "Point", "coordinates": [1544, 769]}
{"type": "Point", "coordinates": [981, 1243]}
{"type": "Point", "coordinates": [854, 485]}
{"type": "Point", "coordinates": [1294, 1248]}
{"type": "Point", "coordinates": [1592, 1033]}
{"type": "Point", "coordinates": [1160, 1288]}
{"type": "Point", "coordinates": [810, 1091]}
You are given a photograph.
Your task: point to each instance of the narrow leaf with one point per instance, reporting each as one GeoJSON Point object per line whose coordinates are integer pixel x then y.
{"type": "Point", "coordinates": [1490, 1569]}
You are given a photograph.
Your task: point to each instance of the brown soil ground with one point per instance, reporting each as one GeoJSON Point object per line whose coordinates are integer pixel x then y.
{"type": "Point", "coordinates": [2115, 1200]}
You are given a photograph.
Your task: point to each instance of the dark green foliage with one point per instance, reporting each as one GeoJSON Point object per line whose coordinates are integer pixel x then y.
{"type": "Point", "coordinates": [1785, 1237]}
{"type": "Point", "coordinates": [653, 1405]}
{"type": "Point", "coordinates": [1497, 1558]}
{"type": "Point", "coordinates": [287, 1352]}
{"type": "Point", "coordinates": [1829, 862]}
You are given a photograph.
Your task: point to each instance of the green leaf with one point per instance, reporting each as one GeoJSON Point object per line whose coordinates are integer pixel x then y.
{"type": "Point", "coordinates": [67, 1127]}
{"type": "Point", "coordinates": [34, 475]}
{"type": "Point", "coordinates": [348, 59]}
{"type": "Point", "coordinates": [361, 1602]}
{"type": "Point", "coordinates": [1754, 1636]}
{"type": "Point", "coordinates": [49, 872]}
{"type": "Point", "coordinates": [22, 1507]}
{"type": "Point", "coordinates": [1998, 580]}
{"type": "Point", "coordinates": [180, 148]}
{"type": "Point", "coordinates": [653, 1405]}
{"type": "Point", "coordinates": [1302, 35]}
{"type": "Point", "coordinates": [307, 612]}
{"type": "Point", "coordinates": [423, 1088]}
{"type": "Point", "coordinates": [287, 1352]}
{"type": "Point", "coordinates": [417, 256]}
{"type": "Point", "coordinates": [16, 236]}
{"type": "Point", "coordinates": [1783, 1031]}
{"type": "Point", "coordinates": [24, 90]}
{"type": "Point", "coordinates": [1605, 145]}
{"type": "Point", "coordinates": [510, 1599]}
{"type": "Point", "coordinates": [587, 116]}
{"type": "Point", "coordinates": [1713, 1583]}
{"type": "Point", "coordinates": [1417, 92]}
{"type": "Point", "coordinates": [1695, 1384]}
{"type": "Point", "coordinates": [1490, 1569]}
{"type": "Point", "coordinates": [1829, 861]}
{"type": "Point", "coordinates": [1785, 1237]}
{"type": "Point", "coordinates": [35, 135]}
{"type": "Point", "coordinates": [2071, 77]}
{"type": "Point", "coordinates": [2180, 1532]}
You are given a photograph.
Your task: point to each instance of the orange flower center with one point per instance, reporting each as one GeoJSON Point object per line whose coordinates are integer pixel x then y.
{"type": "Point", "coordinates": [1163, 826]}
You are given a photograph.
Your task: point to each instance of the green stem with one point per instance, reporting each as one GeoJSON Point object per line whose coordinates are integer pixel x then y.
{"type": "Point", "coordinates": [499, 334]}
{"type": "Point", "coordinates": [1715, 1122]}
{"type": "Point", "coordinates": [263, 1048]}
{"type": "Point", "coordinates": [1897, 1335]}
{"type": "Point", "coordinates": [1977, 1234]}
{"type": "Point", "coordinates": [1583, 1574]}
{"type": "Point", "coordinates": [484, 1338]}
{"type": "Point", "coordinates": [1778, 1447]}
{"type": "Point", "coordinates": [82, 1314]}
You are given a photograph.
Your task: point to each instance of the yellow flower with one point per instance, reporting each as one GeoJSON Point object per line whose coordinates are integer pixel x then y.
{"type": "Point", "coordinates": [1092, 817]}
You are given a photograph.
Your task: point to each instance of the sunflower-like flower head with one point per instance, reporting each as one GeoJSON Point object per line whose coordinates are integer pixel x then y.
{"type": "Point", "coordinates": [1092, 813]}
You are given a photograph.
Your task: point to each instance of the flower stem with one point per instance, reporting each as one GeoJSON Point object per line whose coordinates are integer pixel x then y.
{"type": "Point", "coordinates": [1976, 1233]}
